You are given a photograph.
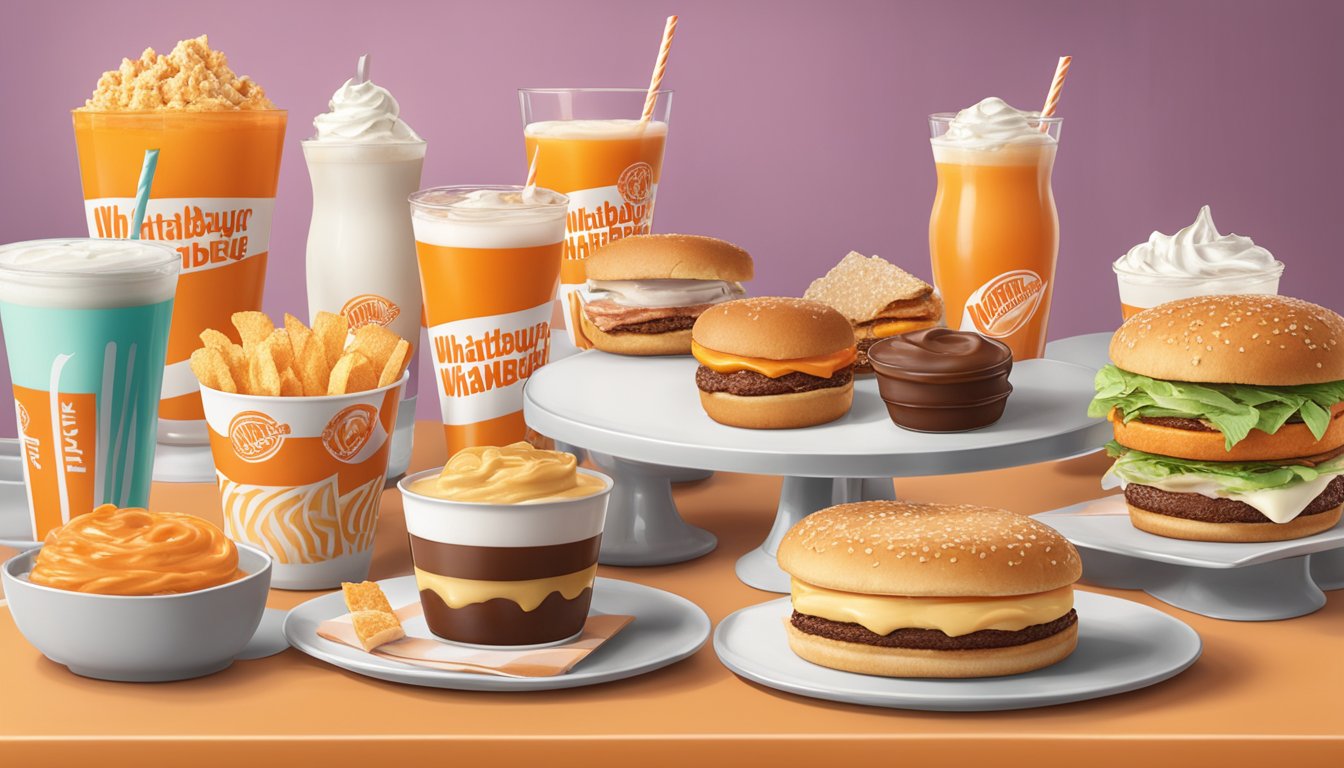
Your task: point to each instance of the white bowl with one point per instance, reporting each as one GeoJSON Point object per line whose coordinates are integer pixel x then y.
{"type": "Point", "coordinates": [140, 638]}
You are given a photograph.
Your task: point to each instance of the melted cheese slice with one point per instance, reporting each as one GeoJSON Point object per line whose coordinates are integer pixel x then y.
{"type": "Point", "coordinates": [954, 616]}
{"type": "Point", "coordinates": [1280, 505]}
{"type": "Point", "coordinates": [895, 327]}
{"type": "Point", "coordinates": [823, 366]}
{"type": "Point", "coordinates": [528, 594]}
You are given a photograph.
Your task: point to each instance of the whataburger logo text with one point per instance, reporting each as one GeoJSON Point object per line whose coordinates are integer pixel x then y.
{"type": "Point", "coordinates": [600, 216]}
{"type": "Point", "coordinates": [256, 436]}
{"type": "Point", "coordinates": [207, 236]}
{"type": "Point", "coordinates": [1003, 305]}
{"type": "Point", "coordinates": [473, 364]}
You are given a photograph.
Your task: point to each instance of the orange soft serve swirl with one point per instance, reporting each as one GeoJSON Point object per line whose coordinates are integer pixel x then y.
{"type": "Point", "coordinates": [511, 474]}
{"type": "Point", "coordinates": [823, 366]}
{"type": "Point", "coordinates": [113, 551]}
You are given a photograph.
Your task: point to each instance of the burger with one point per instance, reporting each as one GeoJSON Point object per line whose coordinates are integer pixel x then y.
{"type": "Point", "coordinates": [1228, 413]}
{"type": "Point", "coordinates": [878, 298]}
{"type": "Point", "coordinates": [929, 590]}
{"type": "Point", "coordinates": [645, 291]}
{"type": "Point", "coordinates": [773, 363]}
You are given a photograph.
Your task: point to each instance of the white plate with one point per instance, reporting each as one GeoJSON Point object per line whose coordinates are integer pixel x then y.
{"type": "Point", "coordinates": [667, 628]}
{"type": "Point", "coordinates": [1122, 646]}
{"type": "Point", "coordinates": [1104, 525]}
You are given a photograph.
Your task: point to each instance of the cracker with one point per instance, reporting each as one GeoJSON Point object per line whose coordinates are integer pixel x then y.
{"type": "Point", "coordinates": [375, 628]}
{"type": "Point", "coordinates": [864, 288]}
{"type": "Point", "coordinates": [364, 596]}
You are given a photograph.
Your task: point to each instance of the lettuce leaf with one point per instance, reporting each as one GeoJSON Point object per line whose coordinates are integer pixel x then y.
{"type": "Point", "coordinates": [1234, 409]}
{"type": "Point", "coordinates": [1232, 476]}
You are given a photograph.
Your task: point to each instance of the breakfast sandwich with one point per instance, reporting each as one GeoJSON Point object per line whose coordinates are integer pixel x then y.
{"type": "Point", "coordinates": [878, 298]}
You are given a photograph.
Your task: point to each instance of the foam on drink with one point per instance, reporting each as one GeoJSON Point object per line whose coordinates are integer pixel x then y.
{"type": "Point", "coordinates": [87, 274]}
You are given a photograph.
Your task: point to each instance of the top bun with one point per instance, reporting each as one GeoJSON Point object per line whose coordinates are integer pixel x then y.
{"type": "Point", "coordinates": [669, 257]}
{"type": "Point", "coordinates": [1258, 340]}
{"type": "Point", "coordinates": [773, 328]}
{"type": "Point", "coordinates": [928, 550]}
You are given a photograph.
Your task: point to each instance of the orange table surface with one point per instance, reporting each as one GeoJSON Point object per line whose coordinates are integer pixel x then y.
{"type": "Point", "coordinates": [1261, 692]}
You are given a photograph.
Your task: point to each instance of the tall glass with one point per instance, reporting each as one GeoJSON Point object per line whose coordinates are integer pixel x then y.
{"type": "Point", "coordinates": [213, 196]}
{"type": "Point", "coordinates": [590, 144]}
{"type": "Point", "coordinates": [86, 327]}
{"type": "Point", "coordinates": [994, 236]}
{"type": "Point", "coordinates": [489, 266]}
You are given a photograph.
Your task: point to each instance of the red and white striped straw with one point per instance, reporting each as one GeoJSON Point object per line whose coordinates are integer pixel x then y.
{"type": "Point", "coordinates": [1056, 87]}
{"type": "Point", "coordinates": [659, 69]}
{"type": "Point", "coordinates": [530, 186]}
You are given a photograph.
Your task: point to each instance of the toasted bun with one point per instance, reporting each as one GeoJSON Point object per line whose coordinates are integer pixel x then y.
{"type": "Point", "coordinates": [801, 409]}
{"type": "Point", "coordinates": [1265, 340]}
{"type": "Point", "coordinates": [669, 257]}
{"type": "Point", "coordinates": [1198, 530]}
{"type": "Point", "coordinates": [773, 328]}
{"type": "Point", "coordinates": [928, 550]}
{"type": "Point", "coordinates": [864, 288]}
{"type": "Point", "coordinates": [1290, 442]}
{"type": "Point", "coordinates": [918, 662]}
{"type": "Point", "coordinates": [669, 343]}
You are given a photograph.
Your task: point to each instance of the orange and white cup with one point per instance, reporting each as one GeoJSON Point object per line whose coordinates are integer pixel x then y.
{"type": "Point", "coordinates": [301, 478]}
{"type": "Point", "coordinates": [590, 144]}
{"type": "Point", "coordinates": [212, 198]}
{"type": "Point", "coordinates": [489, 266]}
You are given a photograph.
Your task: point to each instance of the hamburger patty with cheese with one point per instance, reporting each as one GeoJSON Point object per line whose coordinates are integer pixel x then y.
{"type": "Point", "coordinates": [930, 639]}
{"type": "Point", "coordinates": [750, 383]}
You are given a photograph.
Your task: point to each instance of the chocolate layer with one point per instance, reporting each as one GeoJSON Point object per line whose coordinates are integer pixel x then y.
{"type": "Point", "coordinates": [753, 384]}
{"type": "Point", "coordinates": [504, 563]}
{"type": "Point", "coordinates": [930, 639]}
{"type": "Point", "coordinates": [1194, 506]}
{"type": "Point", "coordinates": [503, 622]}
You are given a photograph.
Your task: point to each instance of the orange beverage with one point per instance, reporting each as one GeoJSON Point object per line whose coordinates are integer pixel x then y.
{"type": "Point", "coordinates": [489, 266]}
{"type": "Point", "coordinates": [212, 199]}
{"type": "Point", "coordinates": [589, 144]}
{"type": "Point", "coordinates": [994, 231]}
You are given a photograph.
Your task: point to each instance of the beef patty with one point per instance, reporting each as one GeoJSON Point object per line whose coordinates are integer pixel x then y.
{"type": "Point", "coordinates": [753, 384]}
{"type": "Point", "coordinates": [861, 363]}
{"type": "Point", "coordinates": [661, 325]}
{"type": "Point", "coordinates": [930, 639]}
{"type": "Point", "coordinates": [1205, 509]}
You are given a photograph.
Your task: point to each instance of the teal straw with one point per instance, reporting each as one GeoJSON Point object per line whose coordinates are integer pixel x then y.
{"type": "Point", "coordinates": [142, 191]}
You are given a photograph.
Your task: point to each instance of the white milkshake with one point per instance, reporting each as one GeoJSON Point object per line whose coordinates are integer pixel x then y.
{"type": "Point", "coordinates": [364, 162]}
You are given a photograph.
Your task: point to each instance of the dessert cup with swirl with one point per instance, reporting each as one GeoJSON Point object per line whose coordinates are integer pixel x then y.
{"type": "Point", "coordinates": [505, 543]}
{"type": "Point", "coordinates": [138, 596]}
{"type": "Point", "coordinates": [1196, 261]}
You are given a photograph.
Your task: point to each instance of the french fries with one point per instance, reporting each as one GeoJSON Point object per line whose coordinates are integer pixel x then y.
{"type": "Point", "coordinates": [295, 360]}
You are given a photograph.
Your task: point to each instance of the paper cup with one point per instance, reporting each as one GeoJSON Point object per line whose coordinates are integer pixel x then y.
{"type": "Point", "coordinates": [300, 478]}
{"type": "Point", "coordinates": [1142, 291]}
{"type": "Point", "coordinates": [505, 574]}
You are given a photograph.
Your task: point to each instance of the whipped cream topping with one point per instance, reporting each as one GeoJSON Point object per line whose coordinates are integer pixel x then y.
{"type": "Point", "coordinates": [363, 112]}
{"type": "Point", "coordinates": [1198, 250]}
{"type": "Point", "coordinates": [651, 294]}
{"type": "Point", "coordinates": [88, 273]}
{"type": "Point", "coordinates": [991, 125]}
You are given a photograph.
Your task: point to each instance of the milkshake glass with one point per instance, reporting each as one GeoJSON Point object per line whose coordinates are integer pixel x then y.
{"type": "Point", "coordinates": [489, 266]}
{"type": "Point", "coordinates": [86, 328]}
{"type": "Point", "coordinates": [363, 163]}
{"type": "Point", "coordinates": [590, 145]}
{"type": "Point", "coordinates": [994, 230]}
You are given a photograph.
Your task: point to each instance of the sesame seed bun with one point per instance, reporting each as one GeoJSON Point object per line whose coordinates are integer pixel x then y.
{"type": "Point", "coordinates": [773, 328]}
{"type": "Point", "coordinates": [915, 662]}
{"type": "Point", "coordinates": [1257, 340]}
{"type": "Point", "coordinates": [928, 550]}
{"type": "Point", "coordinates": [1291, 441]}
{"type": "Point", "coordinates": [670, 257]}
{"type": "Point", "coordinates": [1174, 527]}
{"type": "Point", "coordinates": [791, 411]}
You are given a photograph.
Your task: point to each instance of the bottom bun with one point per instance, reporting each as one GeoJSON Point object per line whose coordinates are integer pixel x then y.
{"type": "Point", "coordinates": [1198, 530]}
{"type": "Point", "coordinates": [920, 662]}
{"type": "Point", "coordinates": [800, 409]}
{"type": "Point", "coordinates": [669, 343]}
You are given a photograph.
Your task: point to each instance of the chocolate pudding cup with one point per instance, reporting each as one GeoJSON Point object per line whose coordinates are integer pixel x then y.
{"type": "Point", "coordinates": [941, 380]}
{"type": "Point", "coordinates": [505, 574]}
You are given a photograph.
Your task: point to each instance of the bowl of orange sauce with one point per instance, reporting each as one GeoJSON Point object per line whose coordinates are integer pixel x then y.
{"type": "Point", "coordinates": [133, 595]}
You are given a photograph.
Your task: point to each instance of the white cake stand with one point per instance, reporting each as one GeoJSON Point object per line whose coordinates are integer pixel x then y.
{"type": "Point", "coordinates": [636, 415]}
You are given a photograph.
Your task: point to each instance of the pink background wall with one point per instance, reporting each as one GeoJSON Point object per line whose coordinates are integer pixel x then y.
{"type": "Point", "coordinates": [798, 129]}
